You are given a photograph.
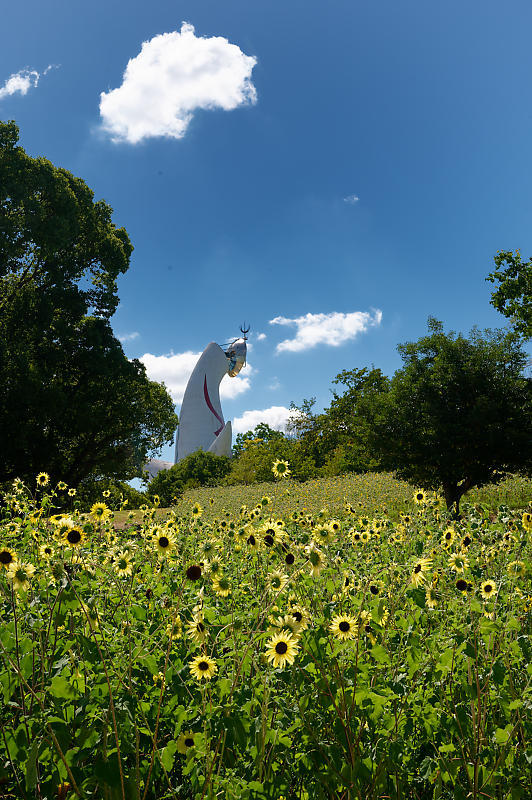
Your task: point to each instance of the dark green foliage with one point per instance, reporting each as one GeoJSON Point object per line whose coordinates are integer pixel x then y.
{"type": "Point", "coordinates": [197, 469]}
{"type": "Point", "coordinates": [513, 296]}
{"type": "Point", "coordinates": [71, 403]}
{"type": "Point", "coordinates": [258, 451]}
{"type": "Point", "coordinates": [260, 435]}
{"type": "Point", "coordinates": [457, 415]}
{"type": "Point", "coordinates": [338, 439]}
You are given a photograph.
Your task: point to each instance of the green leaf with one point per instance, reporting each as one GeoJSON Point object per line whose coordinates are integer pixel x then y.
{"type": "Point", "coordinates": [168, 755]}
{"type": "Point", "coordinates": [31, 765]}
{"type": "Point", "coordinates": [379, 654]}
{"type": "Point", "coordinates": [62, 687]}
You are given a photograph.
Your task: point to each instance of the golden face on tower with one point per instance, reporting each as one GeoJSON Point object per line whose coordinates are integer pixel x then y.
{"type": "Point", "coordinates": [236, 353]}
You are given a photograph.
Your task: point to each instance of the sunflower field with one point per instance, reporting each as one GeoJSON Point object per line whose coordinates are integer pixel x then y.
{"type": "Point", "coordinates": [267, 651]}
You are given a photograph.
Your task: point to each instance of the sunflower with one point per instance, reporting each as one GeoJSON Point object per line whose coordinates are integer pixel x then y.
{"type": "Point", "coordinates": [343, 627]}
{"type": "Point", "coordinates": [221, 586]}
{"type": "Point", "coordinates": [185, 742]}
{"type": "Point", "coordinates": [281, 468]}
{"type": "Point", "coordinates": [20, 575]}
{"type": "Point", "coordinates": [253, 542]}
{"type": "Point", "coordinates": [301, 616]}
{"type": "Point", "coordinates": [281, 649]}
{"type": "Point", "coordinates": [488, 589]}
{"type": "Point", "coordinates": [458, 562]}
{"type": "Point", "coordinates": [164, 541]}
{"type": "Point", "coordinates": [43, 479]}
{"type": "Point", "coordinates": [73, 537]}
{"type": "Point", "coordinates": [462, 585]}
{"type": "Point", "coordinates": [526, 520]}
{"type": "Point", "coordinates": [277, 581]}
{"type": "Point", "coordinates": [46, 551]}
{"type": "Point", "coordinates": [323, 534]}
{"type": "Point", "coordinates": [419, 573]}
{"type": "Point", "coordinates": [71, 492]}
{"type": "Point", "coordinates": [448, 537]}
{"type": "Point", "coordinates": [420, 497]}
{"type": "Point", "coordinates": [466, 541]}
{"type": "Point", "coordinates": [265, 501]}
{"type": "Point", "coordinates": [196, 510]}
{"type": "Point", "coordinates": [375, 588]}
{"type": "Point", "coordinates": [317, 562]}
{"type": "Point", "coordinates": [61, 486]}
{"type": "Point", "coordinates": [516, 569]}
{"type": "Point", "coordinates": [203, 668]}
{"type": "Point", "coordinates": [196, 630]}
{"type": "Point", "coordinates": [432, 596]}
{"type": "Point", "coordinates": [122, 565]}
{"type": "Point", "coordinates": [214, 567]}
{"type": "Point", "coordinates": [100, 512]}
{"type": "Point", "coordinates": [7, 557]}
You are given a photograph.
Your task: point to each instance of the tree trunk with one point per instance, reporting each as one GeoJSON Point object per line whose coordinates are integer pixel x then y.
{"type": "Point", "coordinates": [453, 492]}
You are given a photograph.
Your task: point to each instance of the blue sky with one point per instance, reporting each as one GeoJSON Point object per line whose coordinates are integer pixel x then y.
{"type": "Point", "coordinates": [309, 163]}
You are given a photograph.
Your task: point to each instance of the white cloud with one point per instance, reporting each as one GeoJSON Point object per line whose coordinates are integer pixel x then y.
{"type": "Point", "coordinates": [22, 81]}
{"type": "Point", "coordinates": [275, 416]}
{"type": "Point", "coordinates": [175, 369]}
{"type": "Point", "coordinates": [332, 329]}
{"type": "Point", "coordinates": [174, 75]}
{"type": "Point", "coordinates": [261, 337]}
{"type": "Point", "coordinates": [351, 199]}
{"type": "Point", "coordinates": [129, 337]}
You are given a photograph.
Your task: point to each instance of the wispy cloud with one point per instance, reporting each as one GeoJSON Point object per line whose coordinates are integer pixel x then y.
{"type": "Point", "coordinates": [174, 369]}
{"type": "Point", "coordinates": [261, 337]}
{"type": "Point", "coordinates": [331, 329]}
{"type": "Point", "coordinates": [129, 337]}
{"type": "Point", "coordinates": [276, 417]}
{"type": "Point", "coordinates": [351, 199]}
{"type": "Point", "coordinates": [22, 81]}
{"type": "Point", "coordinates": [174, 75]}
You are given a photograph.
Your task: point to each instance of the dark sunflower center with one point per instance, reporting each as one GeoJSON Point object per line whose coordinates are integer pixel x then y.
{"type": "Point", "coordinates": [289, 558]}
{"type": "Point", "coordinates": [164, 541]}
{"type": "Point", "coordinates": [74, 537]}
{"type": "Point", "coordinates": [417, 568]}
{"type": "Point", "coordinates": [5, 557]}
{"type": "Point", "coordinates": [281, 648]}
{"type": "Point", "coordinates": [357, 536]}
{"type": "Point", "coordinates": [194, 572]}
{"type": "Point", "coordinates": [461, 585]}
{"type": "Point", "coordinates": [466, 541]}
{"type": "Point", "coordinates": [251, 540]}
{"type": "Point", "coordinates": [297, 615]}
{"type": "Point", "coordinates": [268, 539]}
{"type": "Point", "coordinates": [189, 741]}
{"type": "Point", "coordinates": [419, 496]}
{"type": "Point", "coordinates": [203, 666]}
{"type": "Point", "coordinates": [374, 589]}
{"type": "Point", "coordinates": [200, 627]}
{"type": "Point", "coordinates": [48, 551]}
{"type": "Point", "coordinates": [488, 588]}
{"type": "Point", "coordinates": [344, 626]}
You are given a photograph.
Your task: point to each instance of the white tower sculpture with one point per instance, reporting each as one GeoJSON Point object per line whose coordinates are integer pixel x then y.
{"type": "Point", "coordinates": [201, 423]}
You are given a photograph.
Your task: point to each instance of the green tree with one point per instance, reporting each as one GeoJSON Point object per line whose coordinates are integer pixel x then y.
{"type": "Point", "coordinates": [513, 296]}
{"type": "Point", "coordinates": [197, 469]}
{"type": "Point", "coordinates": [338, 439]}
{"type": "Point", "coordinates": [261, 433]}
{"type": "Point", "coordinates": [457, 415]}
{"type": "Point", "coordinates": [71, 403]}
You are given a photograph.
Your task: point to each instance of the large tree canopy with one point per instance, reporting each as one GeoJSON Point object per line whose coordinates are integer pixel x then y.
{"type": "Point", "coordinates": [458, 414]}
{"type": "Point", "coordinates": [71, 403]}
